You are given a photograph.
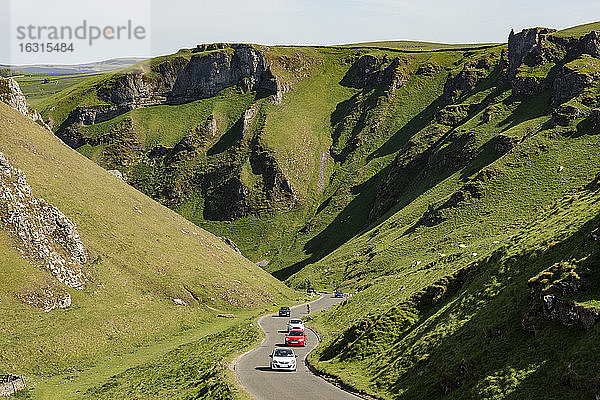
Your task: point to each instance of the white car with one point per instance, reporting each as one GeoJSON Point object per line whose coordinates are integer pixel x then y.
{"type": "Point", "coordinates": [283, 359]}
{"type": "Point", "coordinates": [295, 325]}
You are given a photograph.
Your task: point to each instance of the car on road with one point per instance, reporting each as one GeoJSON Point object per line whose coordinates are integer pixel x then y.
{"type": "Point", "coordinates": [295, 325]}
{"type": "Point", "coordinates": [283, 359]}
{"type": "Point", "coordinates": [311, 290]}
{"type": "Point", "coordinates": [338, 294]}
{"type": "Point", "coordinates": [296, 338]}
{"type": "Point", "coordinates": [284, 312]}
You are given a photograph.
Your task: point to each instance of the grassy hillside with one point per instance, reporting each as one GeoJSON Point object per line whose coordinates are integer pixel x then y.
{"type": "Point", "coordinates": [451, 279]}
{"type": "Point", "coordinates": [142, 256]}
{"type": "Point", "coordinates": [453, 192]}
{"type": "Point", "coordinates": [464, 336]}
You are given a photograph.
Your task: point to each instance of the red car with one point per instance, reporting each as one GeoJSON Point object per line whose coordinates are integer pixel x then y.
{"type": "Point", "coordinates": [296, 338]}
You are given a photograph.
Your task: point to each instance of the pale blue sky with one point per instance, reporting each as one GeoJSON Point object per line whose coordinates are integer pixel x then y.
{"type": "Point", "coordinates": [183, 23]}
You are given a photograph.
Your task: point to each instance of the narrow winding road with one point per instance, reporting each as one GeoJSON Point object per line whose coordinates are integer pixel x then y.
{"type": "Point", "coordinates": [255, 375]}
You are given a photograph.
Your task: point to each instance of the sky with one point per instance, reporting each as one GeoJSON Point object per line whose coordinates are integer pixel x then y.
{"type": "Point", "coordinates": [173, 24]}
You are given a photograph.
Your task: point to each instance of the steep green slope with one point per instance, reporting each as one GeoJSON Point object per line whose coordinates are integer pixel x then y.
{"type": "Point", "coordinates": [482, 243]}
{"type": "Point", "coordinates": [141, 257]}
{"type": "Point", "coordinates": [483, 332]}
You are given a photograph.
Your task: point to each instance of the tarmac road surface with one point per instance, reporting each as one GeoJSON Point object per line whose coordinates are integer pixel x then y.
{"type": "Point", "coordinates": [254, 372]}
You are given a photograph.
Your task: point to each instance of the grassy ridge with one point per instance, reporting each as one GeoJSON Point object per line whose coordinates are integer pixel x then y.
{"type": "Point", "coordinates": [419, 46]}
{"type": "Point", "coordinates": [470, 342]}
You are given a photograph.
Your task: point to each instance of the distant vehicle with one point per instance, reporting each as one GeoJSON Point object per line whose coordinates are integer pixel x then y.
{"type": "Point", "coordinates": [284, 312]}
{"type": "Point", "coordinates": [311, 290]}
{"type": "Point", "coordinates": [296, 338]}
{"type": "Point", "coordinates": [338, 294]}
{"type": "Point", "coordinates": [284, 359]}
{"type": "Point", "coordinates": [295, 325]}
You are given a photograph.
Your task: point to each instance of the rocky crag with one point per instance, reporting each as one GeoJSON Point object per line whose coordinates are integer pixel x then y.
{"type": "Point", "coordinates": [44, 236]}
{"type": "Point", "coordinates": [536, 60]}
{"type": "Point", "coordinates": [188, 76]}
{"type": "Point", "coordinates": [11, 94]}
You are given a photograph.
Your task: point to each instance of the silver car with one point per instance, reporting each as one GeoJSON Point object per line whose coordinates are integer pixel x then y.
{"type": "Point", "coordinates": [295, 325]}
{"type": "Point", "coordinates": [283, 359]}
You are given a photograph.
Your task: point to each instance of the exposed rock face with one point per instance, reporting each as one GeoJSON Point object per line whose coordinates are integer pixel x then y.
{"type": "Point", "coordinates": [524, 44]}
{"type": "Point", "coordinates": [571, 81]}
{"type": "Point", "coordinates": [503, 144]}
{"type": "Point", "coordinates": [46, 236]}
{"type": "Point", "coordinates": [454, 114]}
{"type": "Point", "coordinates": [471, 74]}
{"type": "Point", "coordinates": [529, 86]}
{"type": "Point", "coordinates": [11, 94]}
{"type": "Point", "coordinates": [116, 173]}
{"type": "Point", "coordinates": [180, 80]}
{"type": "Point", "coordinates": [550, 291]}
{"type": "Point", "coordinates": [565, 114]}
{"type": "Point", "coordinates": [369, 72]}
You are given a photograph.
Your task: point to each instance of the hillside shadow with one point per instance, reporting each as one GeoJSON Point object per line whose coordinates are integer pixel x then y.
{"type": "Point", "coordinates": [492, 340]}
{"type": "Point", "coordinates": [228, 139]}
{"type": "Point", "coordinates": [412, 127]}
{"type": "Point", "coordinates": [527, 110]}
{"type": "Point", "coordinates": [486, 155]}
{"type": "Point", "coordinates": [347, 224]}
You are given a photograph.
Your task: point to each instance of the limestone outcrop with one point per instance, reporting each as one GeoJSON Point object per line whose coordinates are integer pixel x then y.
{"type": "Point", "coordinates": [180, 79]}
{"type": "Point", "coordinates": [11, 94]}
{"type": "Point", "coordinates": [523, 45]}
{"type": "Point", "coordinates": [45, 236]}
{"type": "Point", "coordinates": [550, 292]}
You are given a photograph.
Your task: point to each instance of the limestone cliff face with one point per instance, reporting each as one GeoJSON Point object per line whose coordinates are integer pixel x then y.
{"type": "Point", "coordinates": [11, 94]}
{"type": "Point", "coordinates": [179, 80]}
{"type": "Point", "coordinates": [531, 50]}
{"type": "Point", "coordinates": [524, 44]}
{"type": "Point", "coordinates": [45, 236]}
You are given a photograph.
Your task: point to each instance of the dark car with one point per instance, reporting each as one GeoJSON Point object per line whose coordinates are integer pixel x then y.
{"type": "Point", "coordinates": [284, 312]}
{"type": "Point", "coordinates": [311, 290]}
{"type": "Point", "coordinates": [338, 294]}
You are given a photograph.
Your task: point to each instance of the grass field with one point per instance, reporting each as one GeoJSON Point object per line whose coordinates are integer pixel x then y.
{"type": "Point", "coordinates": [39, 88]}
